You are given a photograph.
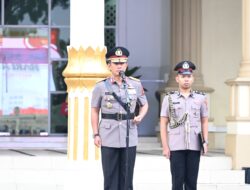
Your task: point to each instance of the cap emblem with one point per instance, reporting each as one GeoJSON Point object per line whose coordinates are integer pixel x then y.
{"type": "Point", "coordinates": [118, 52]}
{"type": "Point", "coordinates": [185, 65]}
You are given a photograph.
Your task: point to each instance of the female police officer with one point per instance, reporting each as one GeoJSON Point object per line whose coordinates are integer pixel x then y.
{"type": "Point", "coordinates": [116, 97]}
{"type": "Point", "coordinates": [184, 113]}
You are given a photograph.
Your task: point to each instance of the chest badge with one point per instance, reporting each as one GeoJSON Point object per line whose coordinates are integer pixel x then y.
{"type": "Point", "coordinates": [109, 105]}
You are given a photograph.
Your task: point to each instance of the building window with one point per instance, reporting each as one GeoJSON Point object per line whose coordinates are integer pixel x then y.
{"type": "Point", "coordinates": [34, 35]}
{"type": "Point", "coordinates": [60, 39]}
{"type": "Point", "coordinates": [26, 12]}
{"type": "Point", "coordinates": [1, 13]}
{"type": "Point", "coordinates": [24, 80]}
{"type": "Point", "coordinates": [110, 23]}
{"type": "Point", "coordinates": [59, 8]}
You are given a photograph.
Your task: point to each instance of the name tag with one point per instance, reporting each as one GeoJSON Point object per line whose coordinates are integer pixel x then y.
{"type": "Point", "coordinates": [131, 91]}
{"type": "Point", "coordinates": [108, 93]}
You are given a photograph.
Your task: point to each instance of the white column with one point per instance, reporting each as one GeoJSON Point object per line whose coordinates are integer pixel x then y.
{"type": "Point", "coordinates": [186, 41]}
{"type": "Point", "coordinates": [245, 64]}
{"type": "Point", "coordinates": [238, 122]}
{"type": "Point", "coordinates": [87, 23]}
{"type": "Point", "coordinates": [186, 38]}
{"type": "Point", "coordinates": [86, 65]}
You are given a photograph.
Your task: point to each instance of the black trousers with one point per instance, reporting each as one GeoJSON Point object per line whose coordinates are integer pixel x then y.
{"type": "Point", "coordinates": [184, 165]}
{"type": "Point", "coordinates": [114, 167]}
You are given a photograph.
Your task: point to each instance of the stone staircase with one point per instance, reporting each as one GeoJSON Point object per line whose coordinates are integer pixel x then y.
{"type": "Point", "coordinates": [215, 170]}
{"type": "Point", "coordinates": [28, 169]}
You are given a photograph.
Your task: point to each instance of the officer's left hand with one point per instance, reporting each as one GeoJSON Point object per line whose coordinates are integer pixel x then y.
{"type": "Point", "coordinates": [205, 146]}
{"type": "Point", "coordinates": [137, 119]}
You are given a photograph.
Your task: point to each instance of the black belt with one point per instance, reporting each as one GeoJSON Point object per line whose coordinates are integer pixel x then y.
{"type": "Point", "coordinates": [118, 116]}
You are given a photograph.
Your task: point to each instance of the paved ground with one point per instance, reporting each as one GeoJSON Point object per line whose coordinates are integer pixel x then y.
{"type": "Point", "coordinates": [53, 152]}
{"type": "Point", "coordinates": [48, 169]}
{"type": "Point", "coordinates": [30, 152]}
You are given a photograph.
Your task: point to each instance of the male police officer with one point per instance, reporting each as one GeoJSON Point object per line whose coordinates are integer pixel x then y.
{"type": "Point", "coordinates": [117, 97]}
{"type": "Point", "coordinates": [184, 114]}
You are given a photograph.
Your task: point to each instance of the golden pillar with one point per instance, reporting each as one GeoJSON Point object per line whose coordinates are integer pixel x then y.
{"type": "Point", "coordinates": [238, 122]}
{"type": "Point", "coordinates": [84, 69]}
{"type": "Point", "coordinates": [86, 65]}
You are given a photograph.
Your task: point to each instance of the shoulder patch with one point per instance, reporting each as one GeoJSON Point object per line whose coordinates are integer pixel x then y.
{"type": "Point", "coordinates": [133, 78]}
{"type": "Point", "coordinates": [171, 92]}
{"type": "Point", "coordinates": [199, 92]}
{"type": "Point", "coordinates": [101, 80]}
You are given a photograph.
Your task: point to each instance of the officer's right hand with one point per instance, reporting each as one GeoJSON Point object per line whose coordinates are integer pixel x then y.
{"type": "Point", "coordinates": [97, 141]}
{"type": "Point", "coordinates": [166, 152]}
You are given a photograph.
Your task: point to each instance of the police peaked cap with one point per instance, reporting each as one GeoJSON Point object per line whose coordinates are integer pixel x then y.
{"type": "Point", "coordinates": [185, 67]}
{"type": "Point", "coordinates": [117, 54]}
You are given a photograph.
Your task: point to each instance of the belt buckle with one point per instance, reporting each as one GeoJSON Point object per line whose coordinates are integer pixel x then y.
{"type": "Point", "coordinates": [118, 116]}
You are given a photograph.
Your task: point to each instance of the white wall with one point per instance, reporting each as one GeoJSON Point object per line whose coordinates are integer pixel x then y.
{"type": "Point", "coordinates": [144, 28]}
{"type": "Point", "coordinates": [221, 51]}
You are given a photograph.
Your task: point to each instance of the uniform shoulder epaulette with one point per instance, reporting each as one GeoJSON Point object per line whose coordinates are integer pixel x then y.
{"type": "Point", "coordinates": [199, 92]}
{"type": "Point", "coordinates": [171, 92]}
{"type": "Point", "coordinates": [102, 80]}
{"type": "Point", "coordinates": [133, 78]}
